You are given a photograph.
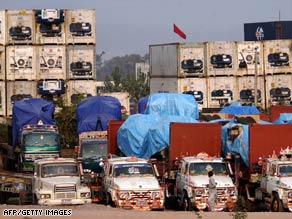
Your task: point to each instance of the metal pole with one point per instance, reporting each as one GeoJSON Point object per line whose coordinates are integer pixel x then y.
{"type": "Point", "coordinates": [256, 77]}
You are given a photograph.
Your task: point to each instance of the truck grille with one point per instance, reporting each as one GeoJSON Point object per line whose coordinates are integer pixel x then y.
{"type": "Point", "coordinates": [65, 192]}
{"type": "Point", "coordinates": [142, 194]}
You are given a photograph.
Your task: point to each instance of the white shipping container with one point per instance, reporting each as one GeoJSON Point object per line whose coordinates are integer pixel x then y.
{"type": "Point", "coordinates": [50, 26]}
{"type": "Point", "coordinates": [51, 62]}
{"type": "Point", "coordinates": [20, 27]}
{"type": "Point", "coordinates": [278, 56]}
{"type": "Point", "coordinates": [20, 62]}
{"type": "Point", "coordinates": [2, 27]}
{"type": "Point", "coordinates": [163, 85]}
{"type": "Point", "coordinates": [245, 90]}
{"type": "Point", "coordinates": [196, 87]}
{"type": "Point", "coordinates": [221, 56]}
{"type": "Point", "coordinates": [2, 99]}
{"type": "Point", "coordinates": [18, 90]}
{"type": "Point", "coordinates": [81, 62]}
{"type": "Point", "coordinates": [192, 60]}
{"type": "Point", "coordinates": [221, 91]}
{"type": "Point", "coordinates": [164, 60]}
{"type": "Point", "coordinates": [2, 63]}
{"type": "Point", "coordinates": [123, 97]}
{"type": "Point", "coordinates": [279, 89]}
{"type": "Point", "coordinates": [246, 54]}
{"type": "Point", "coordinates": [80, 26]}
{"type": "Point", "coordinates": [79, 87]}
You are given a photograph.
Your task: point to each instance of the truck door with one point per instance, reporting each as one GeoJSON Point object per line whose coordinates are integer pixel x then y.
{"type": "Point", "coordinates": [35, 180]}
{"type": "Point", "coordinates": [271, 178]}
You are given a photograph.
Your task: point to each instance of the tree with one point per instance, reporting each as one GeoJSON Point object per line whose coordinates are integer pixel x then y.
{"type": "Point", "coordinates": [113, 83]}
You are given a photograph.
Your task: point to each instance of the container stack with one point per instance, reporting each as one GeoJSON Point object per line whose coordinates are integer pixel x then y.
{"type": "Point", "coordinates": [217, 73]}
{"type": "Point", "coordinates": [80, 45]}
{"type": "Point", "coordinates": [46, 53]}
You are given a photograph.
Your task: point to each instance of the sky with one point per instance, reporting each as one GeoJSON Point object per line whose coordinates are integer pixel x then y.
{"type": "Point", "coordinates": [126, 27]}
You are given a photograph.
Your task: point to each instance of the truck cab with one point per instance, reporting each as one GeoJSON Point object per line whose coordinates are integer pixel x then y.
{"type": "Point", "coordinates": [130, 183]}
{"type": "Point", "coordinates": [192, 183]}
{"type": "Point", "coordinates": [276, 182]}
{"type": "Point", "coordinates": [56, 181]}
{"type": "Point", "coordinates": [37, 141]}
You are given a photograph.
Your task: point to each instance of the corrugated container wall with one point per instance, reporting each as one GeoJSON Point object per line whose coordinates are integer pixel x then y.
{"type": "Point", "coordinates": [245, 90]}
{"type": "Point", "coordinates": [80, 26]}
{"type": "Point", "coordinates": [246, 54]}
{"type": "Point", "coordinates": [164, 60]}
{"type": "Point", "coordinates": [51, 62]}
{"type": "Point", "coordinates": [18, 90]}
{"type": "Point", "coordinates": [192, 60]}
{"type": "Point", "coordinates": [2, 63]}
{"type": "Point", "coordinates": [20, 27]}
{"type": "Point", "coordinates": [278, 55]}
{"type": "Point", "coordinates": [279, 89]}
{"type": "Point", "coordinates": [196, 87]}
{"type": "Point", "coordinates": [221, 90]}
{"type": "Point", "coordinates": [163, 85]}
{"type": "Point", "coordinates": [76, 87]}
{"type": "Point", "coordinates": [2, 99]}
{"type": "Point", "coordinates": [20, 62]}
{"type": "Point", "coordinates": [50, 26]}
{"type": "Point", "coordinates": [268, 30]}
{"type": "Point", "coordinates": [221, 58]}
{"type": "Point", "coordinates": [81, 62]}
{"type": "Point", "coordinates": [3, 27]}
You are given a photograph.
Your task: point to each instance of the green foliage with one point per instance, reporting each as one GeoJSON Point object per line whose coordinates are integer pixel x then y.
{"type": "Point", "coordinates": [239, 210]}
{"type": "Point", "coordinates": [113, 83]}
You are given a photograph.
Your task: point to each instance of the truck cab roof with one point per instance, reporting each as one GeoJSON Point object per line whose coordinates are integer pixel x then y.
{"type": "Point", "coordinates": [54, 160]}
{"type": "Point", "coordinates": [126, 160]}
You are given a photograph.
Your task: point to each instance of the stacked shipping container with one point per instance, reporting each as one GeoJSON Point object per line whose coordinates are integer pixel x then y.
{"type": "Point", "coordinates": [43, 53]}
{"type": "Point", "coordinates": [217, 73]}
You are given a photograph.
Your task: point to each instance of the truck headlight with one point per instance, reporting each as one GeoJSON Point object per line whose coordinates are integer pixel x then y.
{"type": "Point", "coordinates": [231, 191]}
{"type": "Point", "coordinates": [45, 196]}
{"type": "Point", "coordinates": [156, 195]}
{"type": "Point", "coordinates": [289, 194]}
{"type": "Point", "coordinates": [124, 195]}
{"type": "Point", "coordinates": [85, 195]}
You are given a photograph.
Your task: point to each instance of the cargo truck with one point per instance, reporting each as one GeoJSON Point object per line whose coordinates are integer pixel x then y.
{"type": "Point", "coordinates": [34, 134]}
{"type": "Point", "coordinates": [55, 181]}
{"type": "Point", "coordinates": [93, 114]}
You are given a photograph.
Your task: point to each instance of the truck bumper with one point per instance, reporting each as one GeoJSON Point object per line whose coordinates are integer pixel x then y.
{"type": "Point", "coordinates": [50, 202]}
{"type": "Point", "coordinates": [141, 204]}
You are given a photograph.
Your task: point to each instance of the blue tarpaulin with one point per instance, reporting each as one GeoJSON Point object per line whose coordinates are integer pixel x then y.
{"type": "Point", "coordinates": [284, 118]}
{"type": "Point", "coordinates": [236, 109]}
{"type": "Point", "coordinates": [239, 145]}
{"type": "Point", "coordinates": [97, 108]}
{"type": "Point", "coordinates": [142, 104]}
{"type": "Point", "coordinates": [30, 111]}
{"type": "Point", "coordinates": [172, 104]}
{"type": "Point", "coordinates": [143, 135]}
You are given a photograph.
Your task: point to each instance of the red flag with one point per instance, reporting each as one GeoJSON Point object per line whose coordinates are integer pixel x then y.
{"type": "Point", "coordinates": [179, 31]}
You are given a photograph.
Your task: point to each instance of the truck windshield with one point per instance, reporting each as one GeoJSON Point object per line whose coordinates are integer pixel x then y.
{"type": "Point", "coordinates": [200, 168]}
{"type": "Point", "coordinates": [285, 170]}
{"type": "Point", "coordinates": [41, 139]}
{"type": "Point", "coordinates": [133, 169]}
{"type": "Point", "coordinates": [93, 148]}
{"type": "Point", "coordinates": [63, 169]}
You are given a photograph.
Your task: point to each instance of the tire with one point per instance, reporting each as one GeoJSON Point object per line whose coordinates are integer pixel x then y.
{"type": "Point", "coordinates": [186, 203]}
{"type": "Point", "coordinates": [276, 204]}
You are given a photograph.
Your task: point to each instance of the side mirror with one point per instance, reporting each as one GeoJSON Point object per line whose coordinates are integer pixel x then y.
{"type": "Point", "coordinates": [230, 169]}
{"type": "Point", "coordinates": [101, 164]}
{"type": "Point", "coordinates": [34, 174]}
{"type": "Point", "coordinates": [155, 170]}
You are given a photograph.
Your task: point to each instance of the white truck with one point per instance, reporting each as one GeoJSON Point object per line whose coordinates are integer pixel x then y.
{"type": "Point", "coordinates": [192, 183]}
{"type": "Point", "coordinates": [130, 183]}
{"type": "Point", "coordinates": [275, 183]}
{"type": "Point", "coordinates": [56, 181]}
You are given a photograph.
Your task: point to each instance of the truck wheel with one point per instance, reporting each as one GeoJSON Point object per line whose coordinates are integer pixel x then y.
{"type": "Point", "coordinates": [186, 202]}
{"type": "Point", "coordinates": [276, 204]}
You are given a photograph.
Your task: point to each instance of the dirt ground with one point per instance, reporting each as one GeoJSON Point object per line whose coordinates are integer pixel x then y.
{"type": "Point", "coordinates": [94, 211]}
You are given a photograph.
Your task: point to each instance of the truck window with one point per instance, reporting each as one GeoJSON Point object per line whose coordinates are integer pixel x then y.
{"type": "Point", "coordinates": [93, 148]}
{"type": "Point", "coordinates": [40, 139]}
{"type": "Point", "coordinates": [121, 170]}
{"type": "Point", "coordinates": [52, 170]}
{"type": "Point", "coordinates": [200, 168]}
{"type": "Point", "coordinates": [285, 170]}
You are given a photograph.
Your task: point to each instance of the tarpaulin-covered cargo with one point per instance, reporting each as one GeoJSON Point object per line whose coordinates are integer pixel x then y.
{"type": "Point", "coordinates": [172, 104]}
{"type": "Point", "coordinates": [236, 109]}
{"type": "Point", "coordinates": [284, 118]}
{"type": "Point", "coordinates": [143, 135]}
{"type": "Point", "coordinates": [30, 111]}
{"type": "Point", "coordinates": [92, 109]}
{"type": "Point", "coordinates": [142, 104]}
